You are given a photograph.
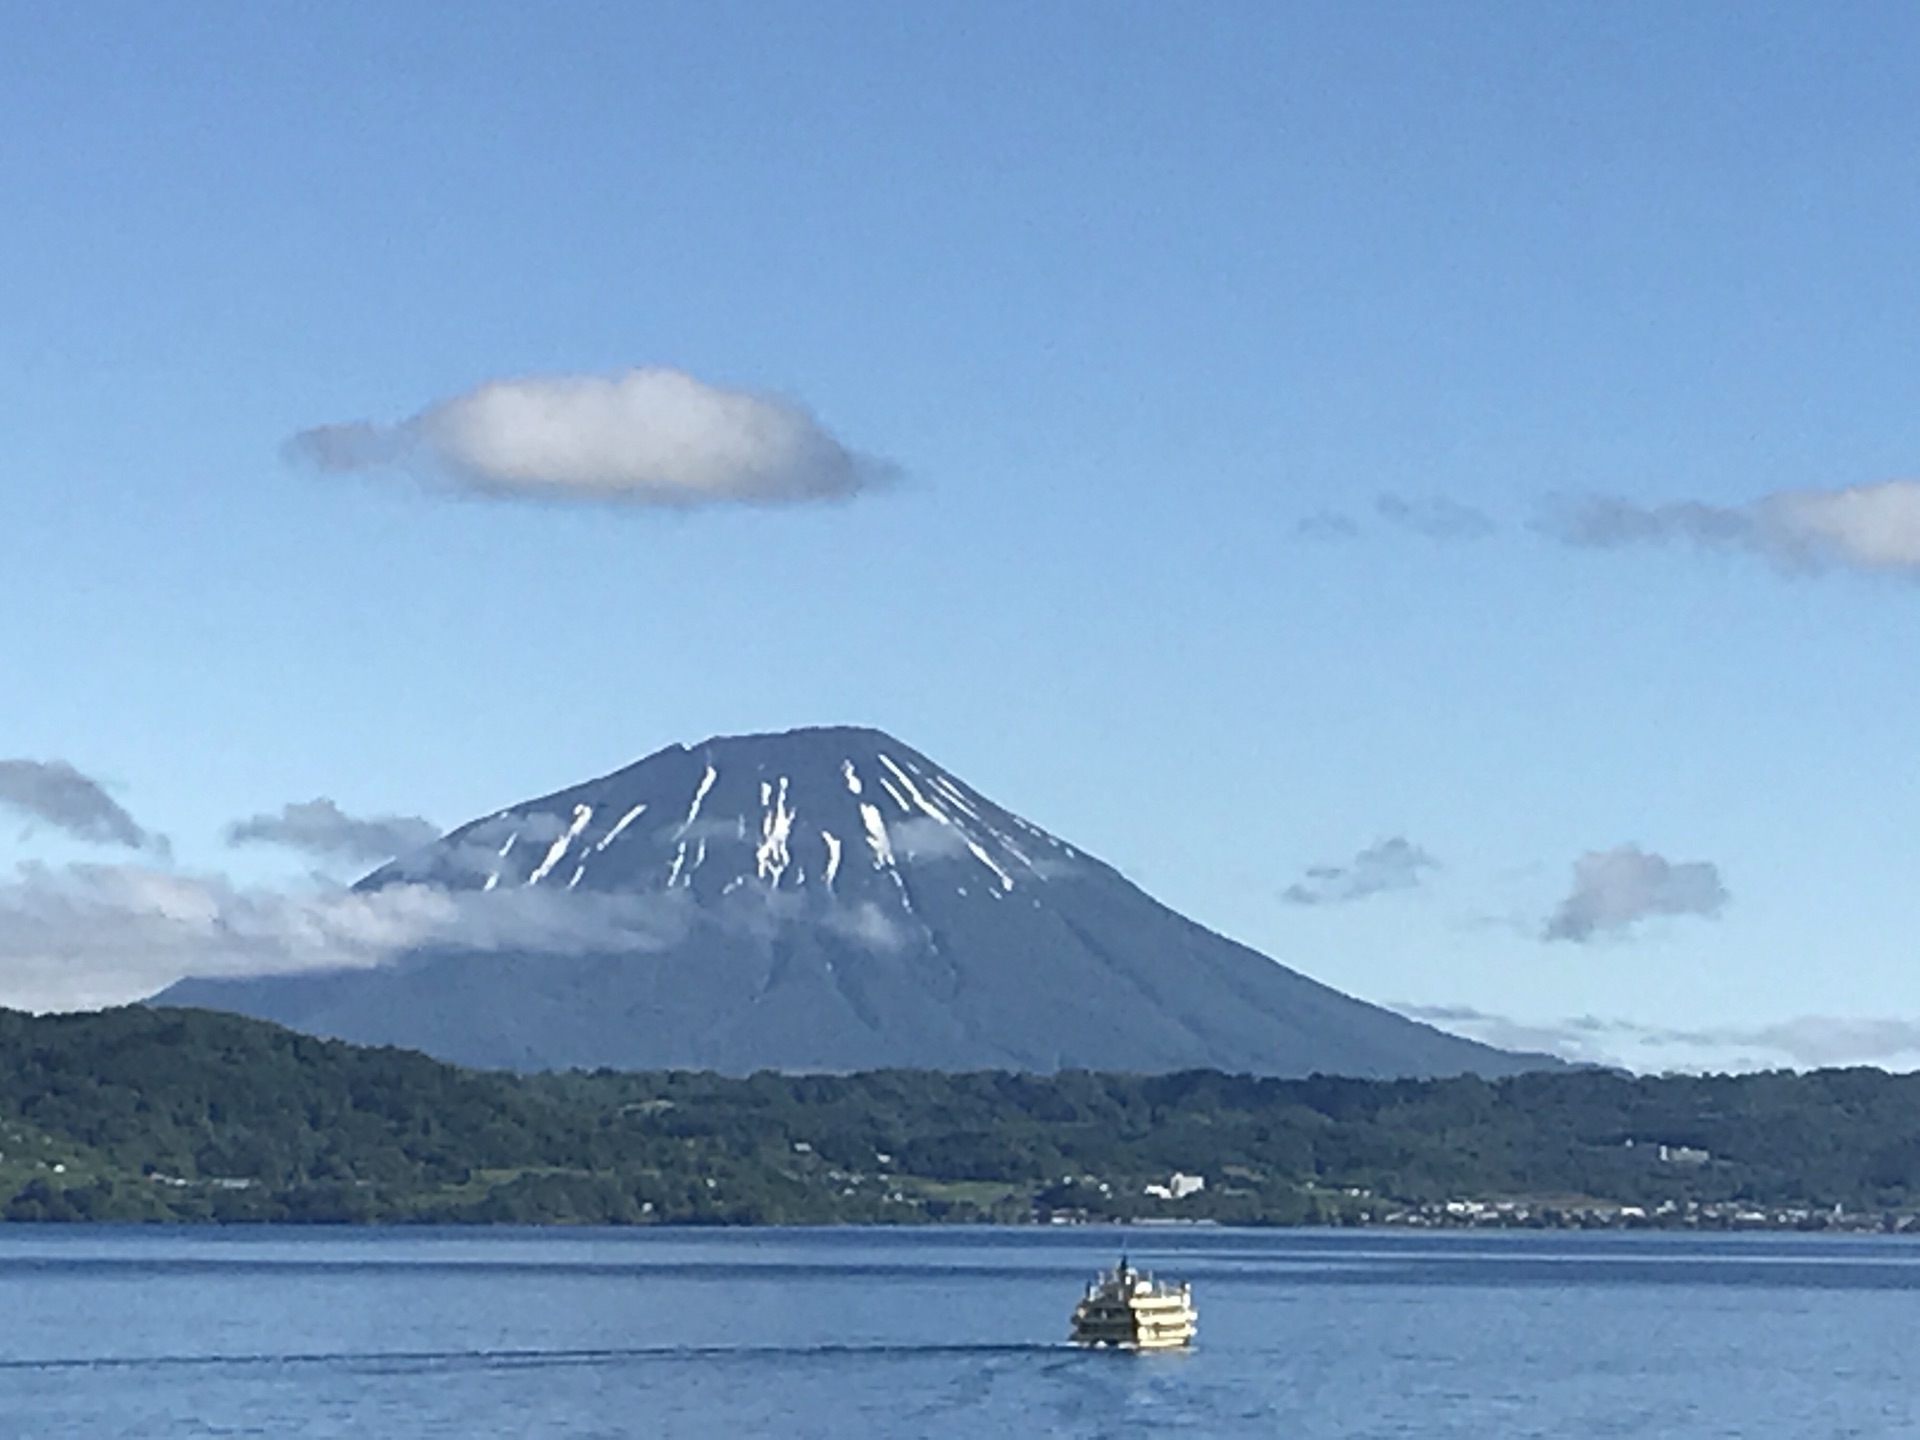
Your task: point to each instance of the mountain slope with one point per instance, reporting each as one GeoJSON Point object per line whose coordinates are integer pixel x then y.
{"type": "Point", "coordinates": [824, 899]}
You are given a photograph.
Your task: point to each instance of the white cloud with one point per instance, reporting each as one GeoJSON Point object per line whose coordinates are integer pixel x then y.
{"type": "Point", "coordinates": [1862, 527]}
{"type": "Point", "coordinates": [1875, 527]}
{"type": "Point", "coordinates": [651, 436]}
{"type": "Point", "coordinates": [1613, 890]}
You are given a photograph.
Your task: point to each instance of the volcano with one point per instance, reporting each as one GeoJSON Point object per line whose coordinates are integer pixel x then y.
{"type": "Point", "coordinates": [821, 900]}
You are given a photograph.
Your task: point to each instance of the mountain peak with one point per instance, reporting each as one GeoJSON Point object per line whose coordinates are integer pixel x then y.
{"type": "Point", "coordinates": [844, 813]}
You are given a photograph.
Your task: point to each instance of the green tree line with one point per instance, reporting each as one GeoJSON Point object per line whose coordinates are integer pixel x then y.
{"type": "Point", "coordinates": [166, 1114]}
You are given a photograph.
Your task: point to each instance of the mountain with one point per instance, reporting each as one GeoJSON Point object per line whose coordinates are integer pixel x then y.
{"type": "Point", "coordinates": [820, 900]}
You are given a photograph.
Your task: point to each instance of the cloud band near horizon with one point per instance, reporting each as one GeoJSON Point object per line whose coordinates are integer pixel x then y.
{"type": "Point", "coordinates": [1801, 1042]}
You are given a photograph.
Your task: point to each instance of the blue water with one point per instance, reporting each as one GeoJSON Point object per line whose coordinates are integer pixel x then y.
{"type": "Point", "coordinates": [323, 1333]}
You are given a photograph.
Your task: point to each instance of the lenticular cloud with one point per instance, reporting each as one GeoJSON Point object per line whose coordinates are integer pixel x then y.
{"type": "Point", "coordinates": [650, 436]}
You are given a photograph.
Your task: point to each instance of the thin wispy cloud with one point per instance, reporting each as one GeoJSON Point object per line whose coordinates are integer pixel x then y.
{"type": "Point", "coordinates": [1862, 527]}
{"type": "Point", "coordinates": [1327, 525]}
{"type": "Point", "coordinates": [1866, 528]}
{"type": "Point", "coordinates": [1392, 864]}
{"type": "Point", "coordinates": [322, 829]}
{"type": "Point", "coordinates": [653, 436]}
{"type": "Point", "coordinates": [53, 793]}
{"type": "Point", "coordinates": [1431, 517]}
{"type": "Point", "coordinates": [1614, 890]}
{"type": "Point", "coordinates": [1802, 1042]}
{"type": "Point", "coordinates": [1435, 517]}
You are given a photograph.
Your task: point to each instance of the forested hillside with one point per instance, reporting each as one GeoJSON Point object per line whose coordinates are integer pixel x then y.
{"type": "Point", "coordinates": [189, 1115]}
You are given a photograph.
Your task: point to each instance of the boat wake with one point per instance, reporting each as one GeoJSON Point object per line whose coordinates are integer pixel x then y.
{"type": "Point", "coordinates": [413, 1360]}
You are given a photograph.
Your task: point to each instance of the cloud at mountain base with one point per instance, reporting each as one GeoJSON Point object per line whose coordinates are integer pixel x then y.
{"type": "Point", "coordinates": [79, 936]}
{"type": "Point", "coordinates": [83, 936]}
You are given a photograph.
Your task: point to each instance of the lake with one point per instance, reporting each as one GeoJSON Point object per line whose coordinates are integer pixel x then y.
{"type": "Point", "coordinates": [113, 1331]}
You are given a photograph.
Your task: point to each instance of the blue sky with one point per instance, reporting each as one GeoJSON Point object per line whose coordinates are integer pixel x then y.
{"type": "Point", "coordinates": [1484, 428]}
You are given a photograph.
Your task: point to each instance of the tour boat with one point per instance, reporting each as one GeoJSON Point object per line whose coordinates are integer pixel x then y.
{"type": "Point", "coordinates": [1126, 1309]}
